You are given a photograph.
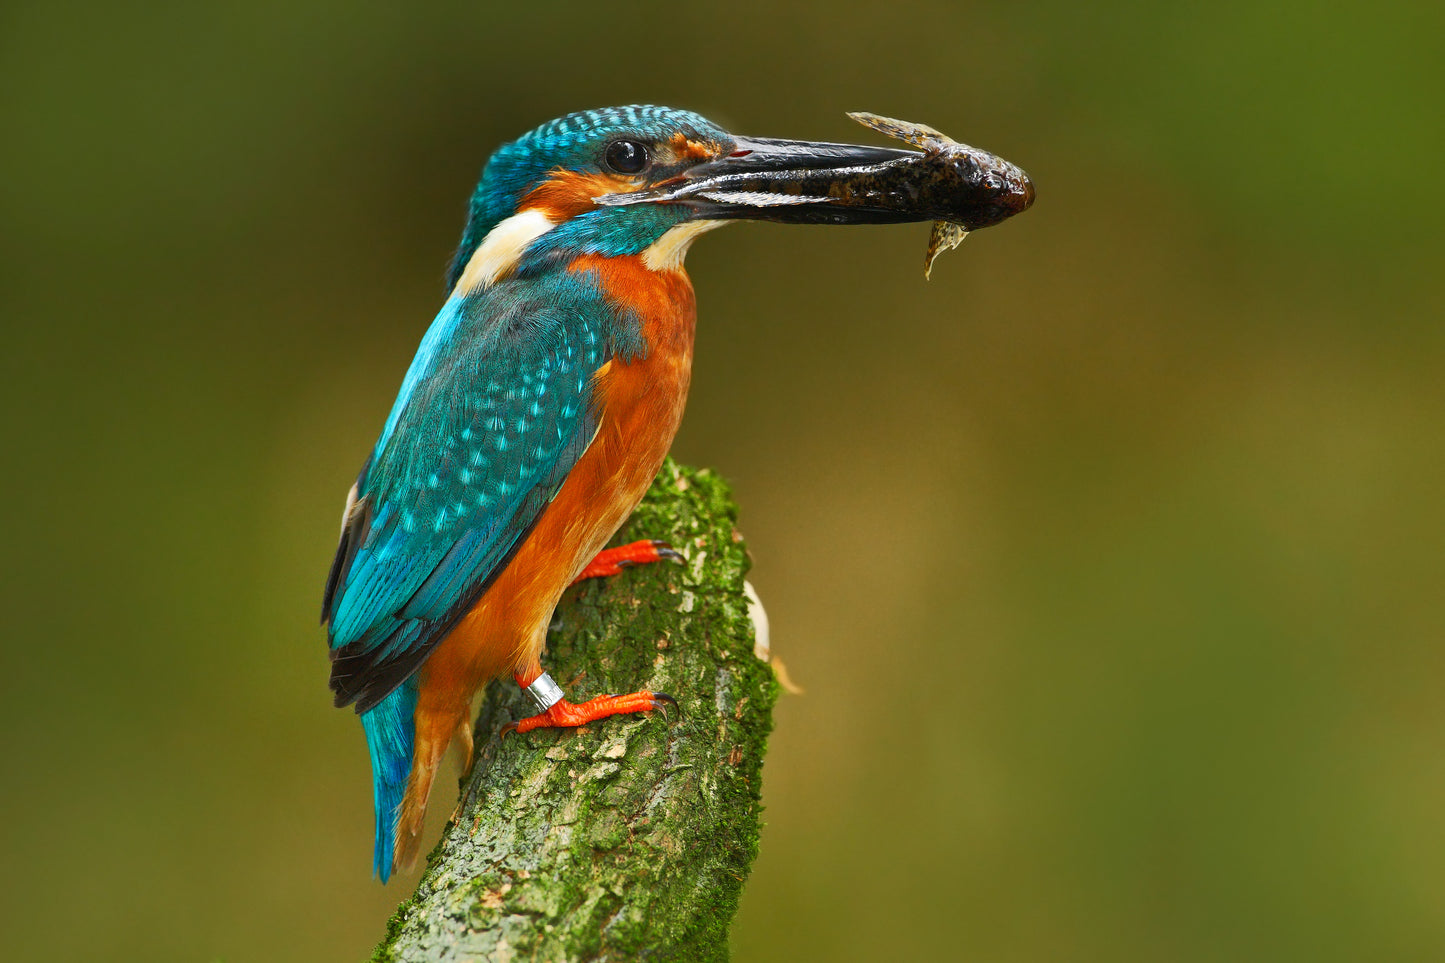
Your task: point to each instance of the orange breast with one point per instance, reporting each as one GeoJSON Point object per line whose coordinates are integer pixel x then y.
{"type": "Point", "coordinates": [641, 406]}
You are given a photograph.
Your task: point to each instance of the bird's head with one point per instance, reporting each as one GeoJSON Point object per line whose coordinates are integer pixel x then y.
{"type": "Point", "coordinates": [647, 180]}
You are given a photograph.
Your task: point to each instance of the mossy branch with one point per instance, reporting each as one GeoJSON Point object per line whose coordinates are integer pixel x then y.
{"type": "Point", "coordinates": [629, 838]}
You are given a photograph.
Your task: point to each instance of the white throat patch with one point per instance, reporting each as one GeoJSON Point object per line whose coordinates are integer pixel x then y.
{"type": "Point", "coordinates": [666, 253]}
{"type": "Point", "coordinates": [501, 249]}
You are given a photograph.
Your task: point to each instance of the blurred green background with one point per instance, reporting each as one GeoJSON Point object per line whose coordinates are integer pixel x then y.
{"type": "Point", "coordinates": [1110, 559]}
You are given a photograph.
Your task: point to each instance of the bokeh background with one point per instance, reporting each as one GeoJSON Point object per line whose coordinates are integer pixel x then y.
{"type": "Point", "coordinates": [1110, 559]}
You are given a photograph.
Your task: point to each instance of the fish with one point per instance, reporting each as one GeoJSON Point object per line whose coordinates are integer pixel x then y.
{"type": "Point", "coordinates": [942, 157]}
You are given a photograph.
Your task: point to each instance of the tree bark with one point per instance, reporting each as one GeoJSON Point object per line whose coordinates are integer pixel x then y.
{"type": "Point", "coordinates": [631, 837]}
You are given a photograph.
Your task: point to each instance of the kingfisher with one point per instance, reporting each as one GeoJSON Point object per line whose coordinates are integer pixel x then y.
{"type": "Point", "coordinates": [543, 399]}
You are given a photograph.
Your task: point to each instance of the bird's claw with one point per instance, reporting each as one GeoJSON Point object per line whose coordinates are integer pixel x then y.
{"type": "Point", "coordinates": [611, 561]}
{"type": "Point", "coordinates": [568, 715]}
{"type": "Point", "coordinates": [660, 549]}
{"type": "Point", "coordinates": [661, 702]}
{"type": "Point", "coordinates": [666, 551]}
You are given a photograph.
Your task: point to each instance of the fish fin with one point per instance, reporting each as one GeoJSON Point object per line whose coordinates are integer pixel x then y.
{"type": "Point", "coordinates": [919, 135]}
{"type": "Point", "coordinates": [946, 236]}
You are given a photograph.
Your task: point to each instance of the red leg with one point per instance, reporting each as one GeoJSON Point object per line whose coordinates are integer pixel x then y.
{"type": "Point", "coordinates": [564, 714]}
{"type": "Point", "coordinates": [613, 560]}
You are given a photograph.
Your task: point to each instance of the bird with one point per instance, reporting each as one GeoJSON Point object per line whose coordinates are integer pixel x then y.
{"type": "Point", "coordinates": [540, 405]}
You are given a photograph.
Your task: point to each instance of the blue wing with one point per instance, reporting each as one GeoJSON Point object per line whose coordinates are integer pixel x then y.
{"type": "Point", "coordinates": [496, 410]}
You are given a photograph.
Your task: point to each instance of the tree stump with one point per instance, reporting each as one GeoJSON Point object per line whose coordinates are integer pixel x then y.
{"type": "Point", "coordinates": [629, 838]}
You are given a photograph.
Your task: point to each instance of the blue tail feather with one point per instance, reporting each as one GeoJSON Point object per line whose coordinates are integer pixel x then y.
{"type": "Point", "coordinates": [390, 728]}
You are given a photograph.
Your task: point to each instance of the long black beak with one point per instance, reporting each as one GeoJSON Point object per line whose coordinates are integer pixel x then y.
{"type": "Point", "coordinates": [801, 182]}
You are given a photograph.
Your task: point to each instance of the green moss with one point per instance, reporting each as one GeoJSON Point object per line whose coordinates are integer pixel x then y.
{"type": "Point", "coordinates": [629, 838]}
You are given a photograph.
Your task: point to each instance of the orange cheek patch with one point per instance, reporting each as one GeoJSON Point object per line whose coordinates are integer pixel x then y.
{"type": "Point", "coordinates": [685, 149]}
{"type": "Point", "coordinates": [566, 194]}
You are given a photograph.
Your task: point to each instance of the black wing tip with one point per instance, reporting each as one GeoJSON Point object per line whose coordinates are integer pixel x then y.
{"type": "Point", "coordinates": [358, 677]}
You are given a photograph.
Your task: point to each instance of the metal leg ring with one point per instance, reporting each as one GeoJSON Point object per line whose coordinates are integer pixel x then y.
{"type": "Point", "coordinates": [544, 692]}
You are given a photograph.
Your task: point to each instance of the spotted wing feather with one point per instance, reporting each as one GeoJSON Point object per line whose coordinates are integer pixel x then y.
{"type": "Point", "coordinates": [479, 444]}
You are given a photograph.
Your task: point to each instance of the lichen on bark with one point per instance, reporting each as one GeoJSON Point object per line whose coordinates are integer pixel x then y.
{"type": "Point", "coordinates": [631, 837]}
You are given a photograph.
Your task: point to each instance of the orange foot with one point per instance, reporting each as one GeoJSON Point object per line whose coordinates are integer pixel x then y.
{"type": "Point", "coordinates": [613, 560]}
{"type": "Point", "coordinates": [564, 714]}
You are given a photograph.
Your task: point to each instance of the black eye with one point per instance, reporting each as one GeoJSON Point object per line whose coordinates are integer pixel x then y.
{"type": "Point", "coordinates": [995, 182]}
{"type": "Point", "coordinates": [625, 156]}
